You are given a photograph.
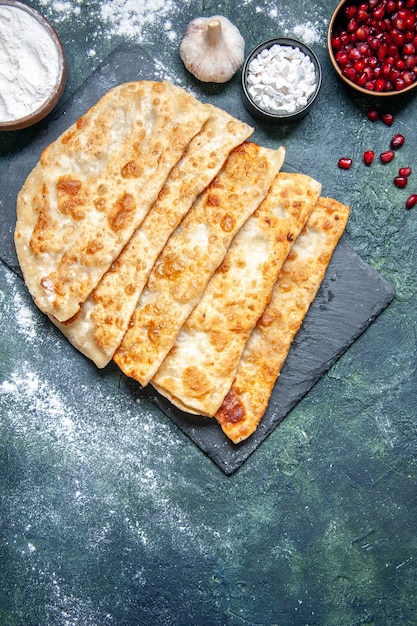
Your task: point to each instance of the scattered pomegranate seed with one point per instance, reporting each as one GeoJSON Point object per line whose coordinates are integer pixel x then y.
{"type": "Point", "coordinates": [397, 141]}
{"type": "Point", "coordinates": [411, 201]}
{"type": "Point", "coordinates": [373, 114]}
{"type": "Point", "coordinates": [387, 156]}
{"type": "Point", "coordinates": [400, 181]}
{"type": "Point", "coordinates": [404, 171]}
{"type": "Point", "coordinates": [344, 163]}
{"type": "Point", "coordinates": [368, 157]}
{"type": "Point", "coordinates": [387, 118]}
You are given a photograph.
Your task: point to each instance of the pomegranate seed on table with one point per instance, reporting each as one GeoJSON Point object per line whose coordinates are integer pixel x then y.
{"type": "Point", "coordinates": [397, 141]}
{"type": "Point", "coordinates": [387, 156]}
{"type": "Point", "coordinates": [368, 157]}
{"type": "Point", "coordinates": [400, 181]}
{"type": "Point", "coordinates": [411, 201]}
{"type": "Point", "coordinates": [372, 114]}
{"type": "Point", "coordinates": [345, 163]}
{"type": "Point", "coordinates": [405, 171]}
{"type": "Point", "coordinates": [387, 118]}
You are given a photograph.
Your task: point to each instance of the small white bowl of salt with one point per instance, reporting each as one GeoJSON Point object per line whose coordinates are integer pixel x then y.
{"type": "Point", "coordinates": [33, 67]}
{"type": "Point", "coordinates": [281, 78]}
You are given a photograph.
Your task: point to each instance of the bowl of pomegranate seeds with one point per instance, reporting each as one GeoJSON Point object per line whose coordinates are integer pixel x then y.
{"type": "Point", "coordinates": [373, 45]}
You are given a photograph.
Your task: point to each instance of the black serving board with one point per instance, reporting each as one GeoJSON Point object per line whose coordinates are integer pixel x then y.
{"type": "Point", "coordinates": [350, 298]}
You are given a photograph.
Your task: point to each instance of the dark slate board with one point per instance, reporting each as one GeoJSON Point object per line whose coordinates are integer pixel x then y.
{"type": "Point", "coordinates": [350, 298]}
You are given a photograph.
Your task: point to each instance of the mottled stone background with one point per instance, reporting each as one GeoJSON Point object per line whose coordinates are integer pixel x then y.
{"type": "Point", "coordinates": [109, 515]}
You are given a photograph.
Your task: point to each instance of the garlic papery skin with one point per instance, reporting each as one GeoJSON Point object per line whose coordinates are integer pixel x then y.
{"type": "Point", "coordinates": [212, 49]}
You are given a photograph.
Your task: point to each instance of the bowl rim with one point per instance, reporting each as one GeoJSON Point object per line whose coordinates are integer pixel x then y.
{"type": "Point", "coordinates": [58, 89]}
{"type": "Point", "coordinates": [284, 41]}
{"type": "Point", "coordinates": [366, 92]}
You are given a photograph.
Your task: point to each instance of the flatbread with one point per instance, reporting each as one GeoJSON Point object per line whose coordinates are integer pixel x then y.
{"type": "Point", "coordinates": [192, 254]}
{"type": "Point", "coordinates": [270, 341]}
{"type": "Point", "coordinates": [103, 318]}
{"type": "Point", "coordinates": [94, 185]}
{"type": "Point", "coordinates": [200, 368]}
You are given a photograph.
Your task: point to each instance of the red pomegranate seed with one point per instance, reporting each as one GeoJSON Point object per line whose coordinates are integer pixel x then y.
{"type": "Point", "coordinates": [405, 171]}
{"type": "Point", "coordinates": [399, 83]}
{"type": "Point", "coordinates": [411, 201]}
{"type": "Point", "coordinates": [336, 43]}
{"type": "Point", "coordinates": [342, 58]}
{"type": "Point", "coordinates": [387, 118]}
{"type": "Point", "coordinates": [362, 14]}
{"type": "Point", "coordinates": [398, 37]}
{"type": "Point", "coordinates": [379, 11]}
{"type": "Point", "coordinates": [397, 141]}
{"type": "Point", "coordinates": [400, 181]}
{"type": "Point", "coordinates": [368, 157]}
{"type": "Point", "coordinates": [410, 61]}
{"type": "Point", "coordinates": [350, 73]}
{"type": "Point", "coordinates": [409, 77]}
{"type": "Point", "coordinates": [374, 43]}
{"type": "Point", "coordinates": [350, 11]}
{"type": "Point", "coordinates": [344, 163]}
{"type": "Point", "coordinates": [387, 156]}
{"type": "Point", "coordinates": [372, 114]}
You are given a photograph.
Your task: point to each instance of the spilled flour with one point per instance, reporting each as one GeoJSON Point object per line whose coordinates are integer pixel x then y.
{"type": "Point", "coordinates": [139, 20]}
{"type": "Point", "coordinates": [92, 470]}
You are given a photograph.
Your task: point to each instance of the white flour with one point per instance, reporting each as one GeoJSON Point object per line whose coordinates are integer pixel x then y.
{"type": "Point", "coordinates": [136, 19]}
{"type": "Point", "coordinates": [29, 64]}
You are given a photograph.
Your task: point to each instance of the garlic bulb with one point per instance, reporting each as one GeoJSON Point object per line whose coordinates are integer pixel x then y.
{"type": "Point", "coordinates": [212, 49]}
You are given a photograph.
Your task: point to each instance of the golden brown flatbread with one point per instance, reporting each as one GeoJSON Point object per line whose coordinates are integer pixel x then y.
{"type": "Point", "coordinates": [270, 341]}
{"type": "Point", "coordinates": [192, 254]}
{"type": "Point", "coordinates": [200, 368]}
{"type": "Point", "coordinates": [94, 185]}
{"type": "Point", "coordinates": [104, 317]}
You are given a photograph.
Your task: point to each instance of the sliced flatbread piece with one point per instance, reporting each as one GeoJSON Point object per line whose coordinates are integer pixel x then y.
{"type": "Point", "coordinates": [270, 341]}
{"type": "Point", "coordinates": [94, 185]}
{"type": "Point", "coordinates": [103, 318]}
{"type": "Point", "coordinates": [192, 254]}
{"type": "Point", "coordinates": [200, 368]}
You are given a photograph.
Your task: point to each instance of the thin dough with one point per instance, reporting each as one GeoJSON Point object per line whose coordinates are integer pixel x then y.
{"type": "Point", "coordinates": [193, 252]}
{"type": "Point", "coordinates": [94, 185]}
{"type": "Point", "coordinates": [200, 368]}
{"type": "Point", "coordinates": [98, 329]}
{"type": "Point", "coordinates": [270, 341]}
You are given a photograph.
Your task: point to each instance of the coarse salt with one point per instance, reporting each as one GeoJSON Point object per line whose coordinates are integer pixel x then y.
{"type": "Point", "coordinates": [281, 79]}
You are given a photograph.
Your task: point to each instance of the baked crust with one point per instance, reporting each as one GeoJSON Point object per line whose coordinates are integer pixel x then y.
{"type": "Point", "coordinates": [192, 254]}
{"type": "Point", "coordinates": [94, 185]}
{"type": "Point", "coordinates": [103, 319]}
{"type": "Point", "coordinates": [271, 339]}
{"type": "Point", "coordinates": [200, 368]}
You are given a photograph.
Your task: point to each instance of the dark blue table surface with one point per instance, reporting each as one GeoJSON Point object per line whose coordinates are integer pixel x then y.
{"type": "Point", "coordinates": [110, 515]}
